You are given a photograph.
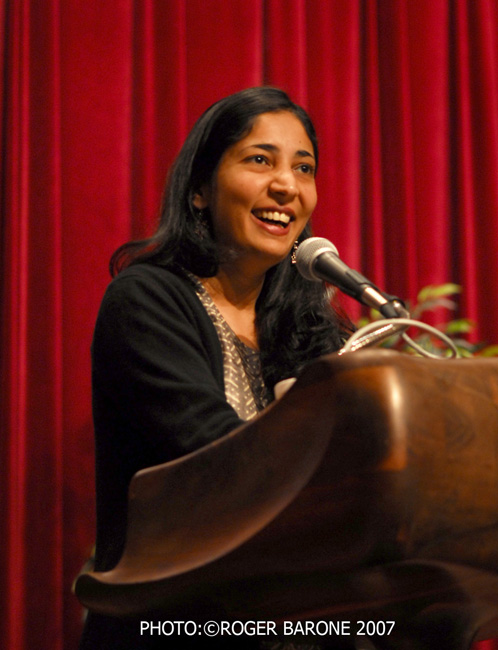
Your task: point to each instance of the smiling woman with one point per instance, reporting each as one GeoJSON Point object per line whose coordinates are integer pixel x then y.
{"type": "Point", "coordinates": [260, 200]}
{"type": "Point", "coordinates": [203, 318]}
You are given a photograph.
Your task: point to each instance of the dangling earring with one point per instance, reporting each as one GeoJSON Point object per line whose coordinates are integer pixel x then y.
{"type": "Point", "coordinates": [294, 252]}
{"type": "Point", "coordinates": [201, 225]}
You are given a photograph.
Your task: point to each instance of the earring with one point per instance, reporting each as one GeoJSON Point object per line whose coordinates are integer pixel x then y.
{"type": "Point", "coordinates": [294, 252]}
{"type": "Point", "coordinates": [201, 224]}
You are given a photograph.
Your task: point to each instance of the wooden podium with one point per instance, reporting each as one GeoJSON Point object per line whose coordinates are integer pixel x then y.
{"type": "Point", "coordinates": [369, 491]}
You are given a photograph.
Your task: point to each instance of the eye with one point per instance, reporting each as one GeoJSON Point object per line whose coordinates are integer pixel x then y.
{"type": "Point", "coordinates": [259, 159]}
{"type": "Point", "coordinates": [306, 168]}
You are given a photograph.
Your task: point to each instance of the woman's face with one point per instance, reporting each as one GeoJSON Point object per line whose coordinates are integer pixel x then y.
{"type": "Point", "coordinates": [263, 191]}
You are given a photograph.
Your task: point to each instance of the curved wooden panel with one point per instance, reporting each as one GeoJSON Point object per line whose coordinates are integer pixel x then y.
{"type": "Point", "coordinates": [371, 458]}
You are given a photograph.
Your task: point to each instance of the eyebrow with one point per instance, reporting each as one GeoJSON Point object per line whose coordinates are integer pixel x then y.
{"type": "Point", "coordinates": [271, 147]}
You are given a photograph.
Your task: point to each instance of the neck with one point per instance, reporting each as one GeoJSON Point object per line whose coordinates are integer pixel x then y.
{"type": "Point", "coordinates": [236, 287]}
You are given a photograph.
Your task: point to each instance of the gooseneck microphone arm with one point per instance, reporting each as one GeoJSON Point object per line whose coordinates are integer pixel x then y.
{"type": "Point", "coordinates": [318, 259]}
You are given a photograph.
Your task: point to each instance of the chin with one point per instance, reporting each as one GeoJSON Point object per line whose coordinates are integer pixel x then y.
{"type": "Point", "coordinates": [259, 256]}
{"type": "Point", "coordinates": [273, 259]}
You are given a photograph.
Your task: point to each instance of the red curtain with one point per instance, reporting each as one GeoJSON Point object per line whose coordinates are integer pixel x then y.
{"type": "Point", "coordinates": [96, 98]}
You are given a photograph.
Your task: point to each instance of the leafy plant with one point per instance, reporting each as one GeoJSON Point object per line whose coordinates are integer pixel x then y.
{"type": "Point", "coordinates": [438, 302]}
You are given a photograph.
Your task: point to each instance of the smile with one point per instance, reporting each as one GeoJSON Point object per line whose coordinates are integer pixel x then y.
{"type": "Point", "coordinates": [273, 217]}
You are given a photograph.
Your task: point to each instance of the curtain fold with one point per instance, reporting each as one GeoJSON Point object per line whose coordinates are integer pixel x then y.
{"type": "Point", "coordinates": [428, 66]}
{"type": "Point", "coordinates": [475, 95]}
{"type": "Point", "coordinates": [397, 156]}
{"type": "Point", "coordinates": [32, 389]}
{"type": "Point", "coordinates": [96, 100]}
{"type": "Point", "coordinates": [372, 194]}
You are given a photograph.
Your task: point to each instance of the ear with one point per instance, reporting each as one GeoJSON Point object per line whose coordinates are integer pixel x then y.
{"type": "Point", "coordinates": [200, 200]}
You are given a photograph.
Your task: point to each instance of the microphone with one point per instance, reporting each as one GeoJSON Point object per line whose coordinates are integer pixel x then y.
{"type": "Point", "coordinates": [318, 259]}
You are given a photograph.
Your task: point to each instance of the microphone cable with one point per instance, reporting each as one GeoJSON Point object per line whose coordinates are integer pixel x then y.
{"type": "Point", "coordinates": [378, 331]}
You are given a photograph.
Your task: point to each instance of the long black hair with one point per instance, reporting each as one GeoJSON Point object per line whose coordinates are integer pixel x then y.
{"type": "Point", "coordinates": [294, 319]}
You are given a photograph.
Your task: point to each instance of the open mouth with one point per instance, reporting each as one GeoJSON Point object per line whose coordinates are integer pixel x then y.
{"type": "Point", "coordinates": [273, 217]}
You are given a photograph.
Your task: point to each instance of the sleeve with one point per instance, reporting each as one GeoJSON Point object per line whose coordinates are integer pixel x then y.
{"type": "Point", "coordinates": [157, 365]}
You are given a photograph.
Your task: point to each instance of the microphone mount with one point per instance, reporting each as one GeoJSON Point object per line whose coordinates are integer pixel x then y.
{"type": "Point", "coordinates": [318, 259]}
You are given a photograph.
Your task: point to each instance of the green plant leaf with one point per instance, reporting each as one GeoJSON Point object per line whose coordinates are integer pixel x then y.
{"type": "Point", "coordinates": [460, 326]}
{"type": "Point", "coordinates": [467, 354]}
{"type": "Point", "coordinates": [489, 351]}
{"type": "Point", "coordinates": [432, 292]}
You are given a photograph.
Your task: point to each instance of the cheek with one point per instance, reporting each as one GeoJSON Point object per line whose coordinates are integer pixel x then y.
{"type": "Point", "coordinates": [232, 196]}
{"type": "Point", "coordinates": [302, 226]}
{"type": "Point", "coordinates": [227, 214]}
{"type": "Point", "coordinates": [310, 199]}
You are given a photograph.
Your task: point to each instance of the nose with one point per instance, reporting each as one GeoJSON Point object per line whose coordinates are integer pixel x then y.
{"type": "Point", "coordinates": [283, 184]}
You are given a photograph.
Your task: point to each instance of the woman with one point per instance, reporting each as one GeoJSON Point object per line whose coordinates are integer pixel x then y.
{"type": "Point", "coordinates": [202, 319]}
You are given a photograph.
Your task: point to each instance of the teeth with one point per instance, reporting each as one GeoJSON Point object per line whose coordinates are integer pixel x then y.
{"type": "Point", "coordinates": [275, 216]}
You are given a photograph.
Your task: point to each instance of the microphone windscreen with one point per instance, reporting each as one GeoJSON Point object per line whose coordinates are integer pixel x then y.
{"type": "Point", "coordinates": [308, 251]}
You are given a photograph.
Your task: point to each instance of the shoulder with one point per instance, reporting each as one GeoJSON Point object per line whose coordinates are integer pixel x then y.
{"type": "Point", "coordinates": [152, 289]}
{"type": "Point", "coordinates": [150, 300]}
{"type": "Point", "coordinates": [150, 279]}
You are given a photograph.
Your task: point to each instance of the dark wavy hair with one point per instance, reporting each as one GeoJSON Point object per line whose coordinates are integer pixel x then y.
{"type": "Point", "coordinates": [294, 318]}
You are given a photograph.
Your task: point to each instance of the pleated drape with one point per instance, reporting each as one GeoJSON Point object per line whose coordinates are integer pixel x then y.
{"type": "Point", "coordinates": [96, 99]}
{"type": "Point", "coordinates": [32, 370]}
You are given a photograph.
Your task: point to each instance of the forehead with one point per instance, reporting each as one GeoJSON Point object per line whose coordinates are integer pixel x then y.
{"type": "Point", "coordinates": [282, 129]}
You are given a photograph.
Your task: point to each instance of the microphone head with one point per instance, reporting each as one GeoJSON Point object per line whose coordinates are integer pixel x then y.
{"type": "Point", "coordinates": [308, 251]}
